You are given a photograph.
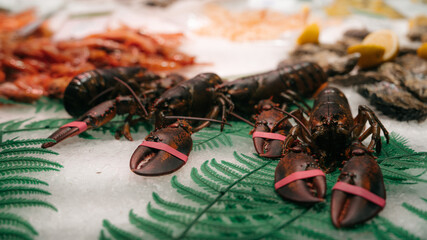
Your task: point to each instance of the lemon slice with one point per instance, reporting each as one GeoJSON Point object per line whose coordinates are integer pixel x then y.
{"type": "Point", "coordinates": [422, 51]}
{"type": "Point", "coordinates": [386, 39]}
{"type": "Point", "coordinates": [309, 35]}
{"type": "Point", "coordinates": [418, 21]}
{"type": "Point", "coordinates": [370, 54]}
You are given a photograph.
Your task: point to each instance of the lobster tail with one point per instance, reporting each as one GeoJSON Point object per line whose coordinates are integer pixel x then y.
{"type": "Point", "coordinates": [91, 88]}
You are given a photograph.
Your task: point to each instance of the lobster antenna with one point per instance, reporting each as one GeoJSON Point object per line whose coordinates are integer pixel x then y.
{"type": "Point", "coordinates": [278, 122]}
{"type": "Point", "coordinates": [295, 118]}
{"type": "Point", "coordinates": [101, 94]}
{"type": "Point", "coordinates": [241, 118]}
{"type": "Point", "coordinates": [198, 119]}
{"type": "Point", "coordinates": [133, 94]}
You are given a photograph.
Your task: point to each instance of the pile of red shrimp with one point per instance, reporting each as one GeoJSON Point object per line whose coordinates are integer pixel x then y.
{"type": "Point", "coordinates": [35, 66]}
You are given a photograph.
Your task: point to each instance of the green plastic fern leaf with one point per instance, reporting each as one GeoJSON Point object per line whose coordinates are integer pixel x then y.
{"type": "Point", "coordinates": [21, 180]}
{"type": "Point", "coordinates": [210, 139]}
{"type": "Point", "coordinates": [21, 190]}
{"type": "Point", "coordinates": [18, 190]}
{"type": "Point", "coordinates": [25, 169]}
{"type": "Point", "coordinates": [238, 201]}
{"type": "Point", "coordinates": [6, 233]}
{"type": "Point", "coordinates": [12, 124]}
{"type": "Point", "coordinates": [23, 202]}
{"type": "Point", "coordinates": [420, 213]}
{"type": "Point", "coordinates": [27, 161]}
{"type": "Point", "coordinates": [117, 233]}
{"type": "Point", "coordinates": [24, 142]}
{"type": "Point", "coordinates": [46, 104]}
{"type": "Point", "coordinates": [17, 221]}
{"type": "Point", "coordinates": [26, 150]}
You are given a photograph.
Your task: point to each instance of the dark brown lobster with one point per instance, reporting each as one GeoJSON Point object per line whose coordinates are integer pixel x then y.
{"type": "Point", "coordinates": [97, 96]}
{"type": "Point", "coordinates": [88, 89]}
{"type": "Point", "coordinates": [207, 96]}
{"type": "Point", "coordinates": [270, 129]}
{"type": "Point", "coordinates": [196, 98]}
{"type": "Point", "coordinates": [204, 96]}
{"type": "Point", "coordinates": [331, 138]}
{"type": "Point", "coordinates": [288, 83]}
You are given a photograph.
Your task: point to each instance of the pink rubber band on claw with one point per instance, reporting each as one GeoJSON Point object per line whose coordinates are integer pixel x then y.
{"type": "Point", "coordinates": [166, 148]}
{"type": "Point", "coordinates": [297, 176]}
{"type": "Point", "coordinates": [361, 192]}
{"type": "Point", "coordinates": [269, 135]}
{"type": "Point", "coordinates": [78, 124]}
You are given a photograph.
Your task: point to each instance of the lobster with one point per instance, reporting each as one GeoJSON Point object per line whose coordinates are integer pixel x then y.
{"type": "Point", "coordinates": [270, 129]}
{"type": "Point", "coordinates": [288, 83]}
{"type": "Point", "coordinates": [199, 99]}
{"type": "Point", "coordinates": [97, 96]}
{"type": "Point", "coordinates": [329, 138]}
{"type": "Point", "coordinates": [195, 97]}
{"type": "Point", "coordinates": [88, 89]}
{"type": "Point", "coordinates": [206, 96]}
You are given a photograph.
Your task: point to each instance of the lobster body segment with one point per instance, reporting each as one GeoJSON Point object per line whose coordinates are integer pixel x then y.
{"type": "Point", "coordinates": [330, 123]}
{"type": "Point", "coordinates": [302, 78]}
{"type": "Point", "coordinates": [86, 89]}
{"type": "Point", "coordinates": [194, 97]}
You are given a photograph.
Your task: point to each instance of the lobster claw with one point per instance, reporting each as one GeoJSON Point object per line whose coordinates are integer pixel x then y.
{"type": "Point", "coordinates": [359, 193]}
{"type": "Point", "coordinates": [268, 144]}
{"type": "Point", "coordinates": [270, 130]}
{"type": "Point", "coordinates": [164, 151]}
{"type": "Point", "coordinates": [274, 146]}
{"type": "Point", "coordinates": [259, 142]}
{"type": "Point", "coordinates": [95, 117]}
{"type": "Point", "coordinates": [298, 178]}
{"type": "Point", "coordinates": [68, 130]}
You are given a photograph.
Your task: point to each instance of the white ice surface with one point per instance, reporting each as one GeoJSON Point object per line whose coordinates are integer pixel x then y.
{"type": "Point", "coordinates": [96, 182]}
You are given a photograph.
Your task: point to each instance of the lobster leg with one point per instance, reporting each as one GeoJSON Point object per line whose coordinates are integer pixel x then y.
{"type": "Point", "coordinates": [223, 101]}
{"type": "Point", "coordinates": [299, 178]}
{"type": "Point", "coordinates": [163, 151]}
{"type": "Point", "coordinates": [366, 114]}
{"type": "Point", "coordinates": [359, 193]}
{"type": "Point", "coordinates": [293, 97]}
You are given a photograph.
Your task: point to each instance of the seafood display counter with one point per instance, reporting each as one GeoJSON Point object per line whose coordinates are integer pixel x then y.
{"type": "Point", "coordinates": [213, 120]}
